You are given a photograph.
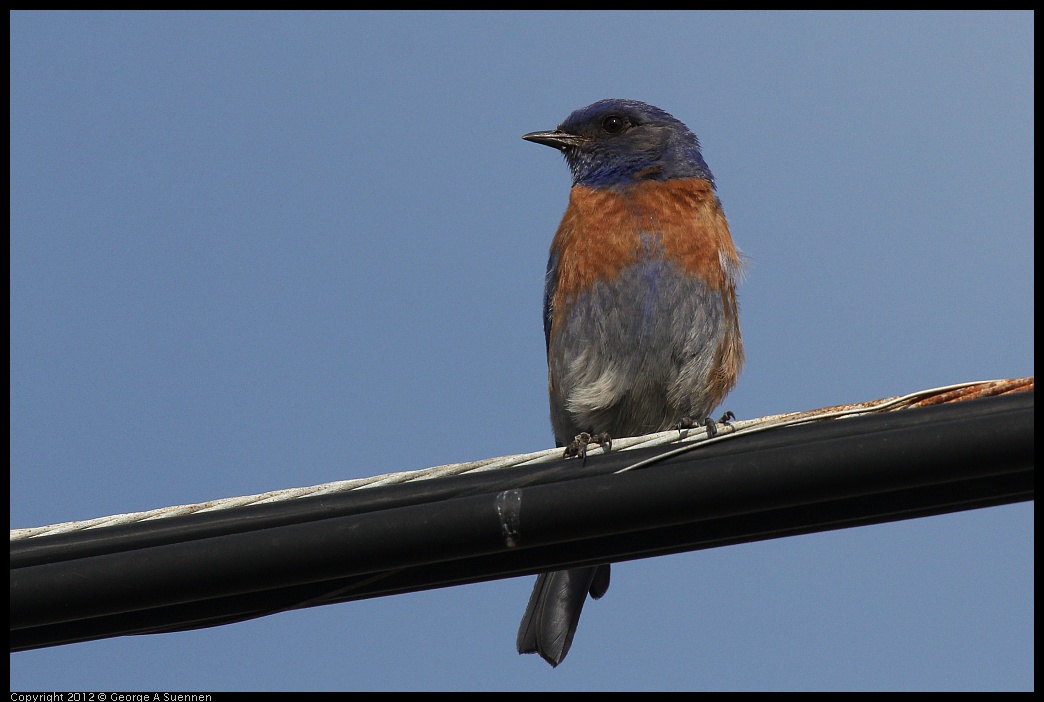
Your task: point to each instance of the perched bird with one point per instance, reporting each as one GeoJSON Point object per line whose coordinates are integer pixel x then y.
{"type": "Point", "coordinates": [640, 311]}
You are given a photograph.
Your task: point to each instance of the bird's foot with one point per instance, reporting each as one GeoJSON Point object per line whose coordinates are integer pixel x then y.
{"type": "Point", "coordinates": [710, 424]}
{"type": "Point", "coordinates": [578, 447]}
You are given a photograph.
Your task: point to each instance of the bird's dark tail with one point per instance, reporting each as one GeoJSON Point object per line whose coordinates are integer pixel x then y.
{"type": "Point", "coordinates": [554, 610]}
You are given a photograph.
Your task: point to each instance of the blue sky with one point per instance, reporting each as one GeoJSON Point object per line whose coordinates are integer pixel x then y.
{"type": "Point", "coordinates": [257, 251]}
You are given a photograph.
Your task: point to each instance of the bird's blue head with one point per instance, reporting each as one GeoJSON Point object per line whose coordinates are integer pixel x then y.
{"type": "Point", "coordinates": [615, 143]}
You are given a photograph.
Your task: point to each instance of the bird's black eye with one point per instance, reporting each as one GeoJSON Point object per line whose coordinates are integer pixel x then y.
{"type": "Point", "coordinates": [614, 124]}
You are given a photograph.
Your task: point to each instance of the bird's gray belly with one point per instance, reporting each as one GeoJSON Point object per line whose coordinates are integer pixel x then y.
{"type": "Point", "coordinates": [635, 354]}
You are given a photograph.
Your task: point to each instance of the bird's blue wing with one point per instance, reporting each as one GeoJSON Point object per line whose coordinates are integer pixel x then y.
{"type": "Point", "coordinates": [550, 285]}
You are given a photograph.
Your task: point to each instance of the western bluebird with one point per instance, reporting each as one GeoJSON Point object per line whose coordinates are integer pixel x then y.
{"type": "Point", "coordinates": [640, 312]}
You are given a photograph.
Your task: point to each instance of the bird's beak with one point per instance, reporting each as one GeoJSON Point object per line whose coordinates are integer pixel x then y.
{"type": "Point", "coordinates": [556, 139]}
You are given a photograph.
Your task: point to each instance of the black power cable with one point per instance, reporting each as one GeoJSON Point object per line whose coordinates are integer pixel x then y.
{"type": "Point", "coordinates": [209, 569]}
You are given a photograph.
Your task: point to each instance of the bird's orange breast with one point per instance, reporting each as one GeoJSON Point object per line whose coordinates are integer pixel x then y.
{"type": "Point", "coordinates": [603, 231]}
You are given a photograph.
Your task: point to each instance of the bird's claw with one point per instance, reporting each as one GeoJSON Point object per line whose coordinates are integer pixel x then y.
{"type": "Point", "coordinates": [578, 446]}
{"type": "Point", "coordinates": [708, 423]}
